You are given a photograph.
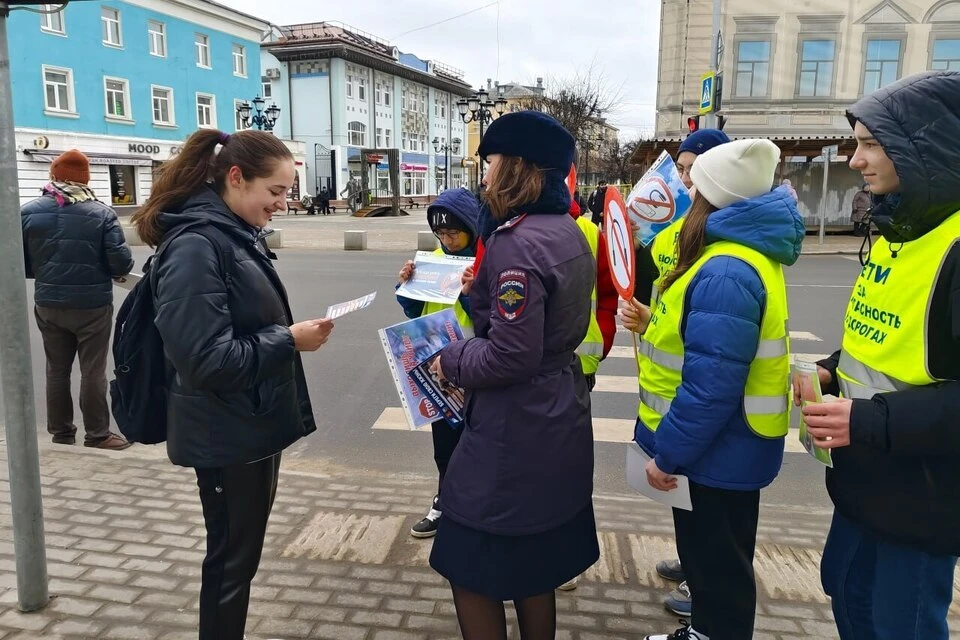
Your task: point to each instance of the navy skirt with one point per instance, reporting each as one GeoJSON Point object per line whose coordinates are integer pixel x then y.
{"type": "Point", "coordinates": [515, 567]}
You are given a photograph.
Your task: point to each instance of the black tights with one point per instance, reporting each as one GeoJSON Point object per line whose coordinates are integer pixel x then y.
{"type": "Point", "coordinates": [482, 618]}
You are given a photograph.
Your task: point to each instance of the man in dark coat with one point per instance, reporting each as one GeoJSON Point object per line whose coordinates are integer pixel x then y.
{"type": "Point", "coordinates": [73, 247]}
{"type": "Point", "coordinates": [596, 202]}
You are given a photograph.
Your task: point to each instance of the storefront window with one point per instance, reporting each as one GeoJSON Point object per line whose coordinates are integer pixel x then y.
{"type": "Point", "coordinates": [414, 183]}
{"type": "Point", "coordinates": [123, 181]}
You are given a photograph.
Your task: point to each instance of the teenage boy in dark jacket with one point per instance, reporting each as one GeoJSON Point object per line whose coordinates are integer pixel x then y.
{"type": "Point", "coordinates": [891, 554]}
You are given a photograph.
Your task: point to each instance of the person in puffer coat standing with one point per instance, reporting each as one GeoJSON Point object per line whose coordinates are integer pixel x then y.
{"type": "Point", "coordinates": [237, 394]}
{"type": "Point", "coordinates": [715, 377]}
{"type": "Point", "coordinates": [73, 247]}
{"type": "Point", "coordinates": [453, 219]}
{"type": "Point", "coordinates": [517, 498]}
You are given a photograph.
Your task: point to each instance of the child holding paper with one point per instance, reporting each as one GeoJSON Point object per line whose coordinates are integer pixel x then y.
{"type": "Point", "coordinates": [715, 377]}
{"type": "Point", "coordinates": [453, 219]}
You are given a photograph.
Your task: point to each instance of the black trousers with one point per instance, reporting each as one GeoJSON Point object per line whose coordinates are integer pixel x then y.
{"type": "Point", "coordinates": [716, 542]}
{"type": "Point", "coordinates": [236, 505]}
{"type": "Point", "coordinates": [445, 441]}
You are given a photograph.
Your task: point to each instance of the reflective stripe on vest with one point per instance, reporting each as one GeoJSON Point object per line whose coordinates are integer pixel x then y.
{"type": "Point", "coordinates": [590, 350]}
{"type": "Point", "coordinates": [766, 402]}
{"type": "Point", "coordinates": [885, 329]}
{"type": "Point", "coordinates": [466, 323]}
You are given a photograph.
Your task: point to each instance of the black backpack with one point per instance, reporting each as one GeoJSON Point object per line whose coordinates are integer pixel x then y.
{"type": "Point", "coordinates": [138, 395]}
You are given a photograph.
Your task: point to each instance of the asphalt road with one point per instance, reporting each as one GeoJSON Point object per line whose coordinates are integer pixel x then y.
{"type": "Point", "coordinates": [351, 386]}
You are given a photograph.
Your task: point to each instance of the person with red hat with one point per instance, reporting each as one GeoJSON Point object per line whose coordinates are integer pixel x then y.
{"type": "Point", "coordinates": [73, 247]}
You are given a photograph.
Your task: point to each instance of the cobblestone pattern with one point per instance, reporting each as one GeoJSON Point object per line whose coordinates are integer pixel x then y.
{"type": "Point", "coordinates": [125, 540]}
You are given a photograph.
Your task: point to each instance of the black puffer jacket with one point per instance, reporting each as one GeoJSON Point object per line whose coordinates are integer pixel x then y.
{"type": "Point", "coordinates": [74, 252]}
{"type": "Point", "coordinates": [237, 388]}
{"type": "Point", "coordinates": [901, 476]}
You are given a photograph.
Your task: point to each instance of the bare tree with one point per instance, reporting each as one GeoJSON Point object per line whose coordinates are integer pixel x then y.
{"type": "Point", "coordinates": [579, 103]}
{"type": "Point", "coordinates": [615, 161]}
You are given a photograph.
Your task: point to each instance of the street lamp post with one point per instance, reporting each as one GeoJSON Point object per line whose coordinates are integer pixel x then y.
{"type": "Point", "coordinates": [264, 120]}
{"type": "Point", "coordinates": [446, 150]}
{"type": "Point", "coordinates": [480, 108]}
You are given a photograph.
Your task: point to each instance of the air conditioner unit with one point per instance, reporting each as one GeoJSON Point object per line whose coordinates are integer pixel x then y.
{"type": "Point", "coordinates": [273, 73]}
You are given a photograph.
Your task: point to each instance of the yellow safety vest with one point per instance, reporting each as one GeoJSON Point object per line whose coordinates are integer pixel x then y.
{"type": "Point", "coordinates": [884, 337]}
{"type": "Point", "coordinates": [466, 324]}
{"type": "Point", "coordinates": [766, 402]}
{"type": "Point", "coordinates": [591, 349]}
{"type": "Point", "coordinates": [664, 250]}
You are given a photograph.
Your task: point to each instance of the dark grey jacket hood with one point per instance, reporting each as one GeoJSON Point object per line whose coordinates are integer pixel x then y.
{"type": "Point", "coordinates": [917, 121]}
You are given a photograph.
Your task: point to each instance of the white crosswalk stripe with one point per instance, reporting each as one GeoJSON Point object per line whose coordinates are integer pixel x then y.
{"type": "Point", "coordinates": [620, 430]}
{"type": "Point", "coordinates": [604, 429]}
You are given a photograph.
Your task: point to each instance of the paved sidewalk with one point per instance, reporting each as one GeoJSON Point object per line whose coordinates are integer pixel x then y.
{"type": "Point", "coordinates": [125, 540]}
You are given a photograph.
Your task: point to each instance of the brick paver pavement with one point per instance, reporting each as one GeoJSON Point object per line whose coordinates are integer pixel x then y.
{"type": "Point", "coordinates": [125, 540]}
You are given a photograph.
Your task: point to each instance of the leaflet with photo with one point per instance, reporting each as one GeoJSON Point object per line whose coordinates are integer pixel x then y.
{"type": "Point", "coordinates": [414, 344]}
{"type": "Point", "coordinates": [436, 278]}
{"type": "Point", "coordinates": [657, 200]}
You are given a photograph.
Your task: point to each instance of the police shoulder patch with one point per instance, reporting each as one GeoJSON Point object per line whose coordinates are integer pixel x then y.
{"type": "Point", "coordinates": [512, 222]}
{"type": "Point", "coordinates": [512, 293]}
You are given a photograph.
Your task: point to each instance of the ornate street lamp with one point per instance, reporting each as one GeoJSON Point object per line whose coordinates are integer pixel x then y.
{"type": "Point", "coordinates": [446, 150]}
{"type": "Point", "coordinates": [479, 108]}
{"type": "Point", "coordinates": [263, 120]}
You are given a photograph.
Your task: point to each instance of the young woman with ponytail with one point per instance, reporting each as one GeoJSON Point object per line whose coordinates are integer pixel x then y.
{"type": "Point", "coordinates": [715, 376]}
{"type": "Point", "coordinates": [237, 395]}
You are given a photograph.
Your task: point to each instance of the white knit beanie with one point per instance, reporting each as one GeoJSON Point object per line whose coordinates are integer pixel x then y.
{"type": "Point", "coordinates": [735, 171]}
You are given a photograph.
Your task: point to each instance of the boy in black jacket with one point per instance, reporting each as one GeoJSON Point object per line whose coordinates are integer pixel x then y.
{"type": "Point", "coordinates": [890, 558]}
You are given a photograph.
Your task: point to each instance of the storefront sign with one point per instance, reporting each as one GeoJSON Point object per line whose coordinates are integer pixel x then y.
{"type": "Point", "coordinates": [415, 168]}
{"type": "Point", "coordinates": [143, 148]}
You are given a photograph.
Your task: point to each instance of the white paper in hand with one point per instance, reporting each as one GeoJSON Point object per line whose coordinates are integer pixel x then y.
{"type": "Point", "coordinates": [637, 461]}
{"type": "Point", "coordinates": [335, 311]}
{"type": "Point", "coordinates": [128, 281]}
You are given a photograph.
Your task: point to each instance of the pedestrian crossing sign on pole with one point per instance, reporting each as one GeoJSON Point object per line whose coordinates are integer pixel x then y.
{"type": "Point", "coordinates": [708, 84]}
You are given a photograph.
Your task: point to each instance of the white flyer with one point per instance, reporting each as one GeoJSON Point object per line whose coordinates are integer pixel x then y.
{"type": "Point", "coordinates": [128, 281]}
{"type": "Point", "coordinates": [637, 460]}
{"type": "Point", "coordinates": [341, 309]}
{"type": "Point", "coordinates": [435, 278]}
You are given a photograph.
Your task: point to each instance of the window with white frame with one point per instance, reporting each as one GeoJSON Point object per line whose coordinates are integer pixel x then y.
{"type": "Point", "coordinates": [349, 85]}
{"type": "Point", "coordinates": [52, 21]}
{"type": "Point", "coordinates": [110, 23]}
{"type": "Point", "coordinates": [882, 66]}
{"type": "Point", "coordinates": [753, 68]}
{"type": "Point", "coordinates": [267, 89]}
{"type": "Point", "coordinates": [206, 111]}
{"type": "Point", "coordinates": [387, 138]}
{"type": "Point", "coordinates": [117, 91]}
{"type": "Point", "coordinates": [361, 89]}
{"type": "Point", "coordinates": [414, 183]}
{"type": "Point", "coordinates": [816, 68]}
{"type": "Point", "coordinates": [157, 33]}
{"type": "Point", "coordinates": [202, 44]}
{"type": "Point", "coordinates": [386, 95]}
{"type": "Point", "coordinates": [380, 144]}
{"type": "Point", "coordinates": [440, 106]}
{"type": "Point", "coordinates": [239, 60]}
{"type": "Point", "coordinates": [58, 89]}
{"type": "Point", "coordinates": [356, 134]}
{"type": "Point", "coordinates": [162, 98]}
{"type": "Point", "coordinates": [378, 93]}
{"type": "Point", "coordinates": [403, 140]}
{"type": "Point", "coordinates": [238, 123]}
{"type": "Point", "coordinates": [946, 55]}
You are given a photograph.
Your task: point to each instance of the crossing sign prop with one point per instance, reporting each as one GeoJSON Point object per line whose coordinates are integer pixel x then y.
{"type": "Point", "coordinates": [619, 236]}
{"type": "Point", "coordinates": [708, 85]}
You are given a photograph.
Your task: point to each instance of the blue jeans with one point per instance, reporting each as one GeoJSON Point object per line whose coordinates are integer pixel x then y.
{"type": "Point", "coordinates": [882, 590]}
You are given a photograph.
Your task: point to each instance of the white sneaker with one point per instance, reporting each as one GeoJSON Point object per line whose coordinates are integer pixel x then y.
{"type": "Point", "coordinates": [570, 585]}
{"type": "Point", "coordinates": [683, 633]}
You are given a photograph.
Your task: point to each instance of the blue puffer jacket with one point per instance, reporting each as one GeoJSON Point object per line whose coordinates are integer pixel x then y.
{"type": "Point", "coordinates": [464, 205]}
{"type": "Point", "coordinates": [74, 252]}
{"type": "Point", "coordinates": [704, 435]}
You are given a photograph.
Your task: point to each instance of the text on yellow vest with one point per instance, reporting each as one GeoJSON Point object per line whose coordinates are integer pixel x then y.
{"type": "Point", "coordinates": [884, 331]}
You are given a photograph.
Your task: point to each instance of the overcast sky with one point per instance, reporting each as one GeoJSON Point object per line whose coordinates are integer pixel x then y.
{"type": "Point", "coordinates": [555, 39]}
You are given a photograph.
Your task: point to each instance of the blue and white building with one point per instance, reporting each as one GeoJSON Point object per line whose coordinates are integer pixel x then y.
{"type": "Point", "coordinates": [342, 90]}
{"type": "Point", "coordinates": [126, 82]}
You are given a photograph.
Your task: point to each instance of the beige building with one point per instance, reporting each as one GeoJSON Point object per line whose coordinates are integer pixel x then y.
{"type": "Point", "coordinates": [790, 69]}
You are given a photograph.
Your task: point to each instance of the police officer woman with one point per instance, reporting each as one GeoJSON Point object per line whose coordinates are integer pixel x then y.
{"type": "Point", "coordinates": [715, 376]}
{"type": "Point", "coordinates": [517, 497]}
